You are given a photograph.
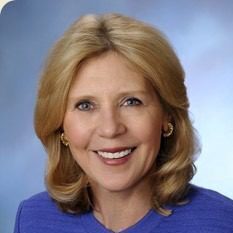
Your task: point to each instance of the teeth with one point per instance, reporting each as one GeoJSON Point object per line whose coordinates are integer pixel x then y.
{"type": "Point", "coordinates": [115, 155]}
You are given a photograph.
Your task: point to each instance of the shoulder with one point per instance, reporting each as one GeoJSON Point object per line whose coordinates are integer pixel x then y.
{"type": "Point", "coordinates": [40, 213]}
{"type": "Point", "coordinates": [37, 205]}
{"type": "Point", "coordinates": [205, 211]}
{"type": "Point", "coordinates": [209, 199]}
{"type": "Point", "coordinates": [39, 200]}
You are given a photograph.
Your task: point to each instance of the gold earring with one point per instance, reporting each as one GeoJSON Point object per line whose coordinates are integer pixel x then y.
{"type": "Point", "coordinates": [170, 130]}
{"type": "Point", "coordinates": [63, 140]}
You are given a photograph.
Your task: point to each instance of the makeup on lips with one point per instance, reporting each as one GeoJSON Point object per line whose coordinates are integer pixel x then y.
{"type": "Point", "coordinates": [115, 156]}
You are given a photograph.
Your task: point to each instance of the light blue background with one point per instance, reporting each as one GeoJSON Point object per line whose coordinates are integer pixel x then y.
{"type": "Point", "coordinates": [202, 35]}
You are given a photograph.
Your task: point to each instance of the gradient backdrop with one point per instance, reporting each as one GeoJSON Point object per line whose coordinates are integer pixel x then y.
{"type": "Point", "coordinates": [201, 33]}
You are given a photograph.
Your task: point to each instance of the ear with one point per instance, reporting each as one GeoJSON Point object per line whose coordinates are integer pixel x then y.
{"type": "Point", "coordinates": [63, 139]}
{"type": "Point", "coordinates": [166, 119]}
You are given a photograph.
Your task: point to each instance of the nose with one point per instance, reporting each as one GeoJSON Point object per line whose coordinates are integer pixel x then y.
{"type": "Point", "coordinates": [110, 124]}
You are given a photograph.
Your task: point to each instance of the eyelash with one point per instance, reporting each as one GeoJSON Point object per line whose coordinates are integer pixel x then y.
{"type": "Point", "coordinates": [135, 101]}
{"type": "Point", "coordinates": [129, 102]}
{"type": "Point", "coordinates": [84, 102]}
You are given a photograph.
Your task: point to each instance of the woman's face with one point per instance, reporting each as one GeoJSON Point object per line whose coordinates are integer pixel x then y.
{"type": "Point", "coordinates": [113, 123]}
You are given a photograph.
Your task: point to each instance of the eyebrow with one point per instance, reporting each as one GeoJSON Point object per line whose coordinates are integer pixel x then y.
{"type": "Point", "coordinates": [133, 92]}
{"type": "Point", "coordinates": [119, 95]}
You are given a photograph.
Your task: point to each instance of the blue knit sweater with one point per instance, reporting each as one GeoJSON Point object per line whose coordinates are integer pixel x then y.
{"type": "Point", "coordinates": [207, 212]}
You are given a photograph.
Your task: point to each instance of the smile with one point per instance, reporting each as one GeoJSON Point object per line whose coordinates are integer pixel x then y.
{"type": "Point", "coordinates": [115, 155]}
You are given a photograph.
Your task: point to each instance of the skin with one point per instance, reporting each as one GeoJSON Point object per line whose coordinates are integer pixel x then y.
{"type": "Point", "coordinates": [110, 107]}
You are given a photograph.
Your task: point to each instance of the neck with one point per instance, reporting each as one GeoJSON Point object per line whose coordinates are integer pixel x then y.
{"type": "Point", "coordinates": [119, 210]}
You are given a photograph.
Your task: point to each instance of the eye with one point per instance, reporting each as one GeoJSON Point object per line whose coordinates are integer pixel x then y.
{"type": "Point", "coordinates": [132, 101]}
{"type": "Point", "coordinates": [84, 106]}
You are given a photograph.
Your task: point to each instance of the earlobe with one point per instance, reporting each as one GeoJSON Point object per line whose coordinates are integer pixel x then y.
{"type": "Point", "coordinates": [64, 140]}
{"type": "Point", "coordinates": [168, 130]}
{"type": "Point", "coordinates": [166, 119]}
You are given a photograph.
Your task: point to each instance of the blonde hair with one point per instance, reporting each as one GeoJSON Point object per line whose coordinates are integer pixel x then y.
{"type": "Point", "coordinates": [149, 52]}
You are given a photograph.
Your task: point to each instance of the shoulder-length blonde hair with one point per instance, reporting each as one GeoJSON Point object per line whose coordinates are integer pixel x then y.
{"type": "Point", "coordinates": [149, 52]}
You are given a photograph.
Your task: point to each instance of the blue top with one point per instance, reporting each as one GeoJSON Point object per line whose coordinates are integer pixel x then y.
{"type": "Point", "coordinates": [207, 212]}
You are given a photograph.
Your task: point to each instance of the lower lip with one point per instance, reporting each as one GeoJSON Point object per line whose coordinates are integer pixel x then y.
{"type": "Point", "coordinates": [115, 162]}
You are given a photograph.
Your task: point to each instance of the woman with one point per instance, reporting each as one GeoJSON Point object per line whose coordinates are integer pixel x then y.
{"type": "Point", "coordinates": [112, 113]}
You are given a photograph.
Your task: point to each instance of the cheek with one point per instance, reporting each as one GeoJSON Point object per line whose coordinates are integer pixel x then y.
{"type": "Point", "coordinates": [150, 138]}
{"type": "Point", "coordinates": [148, 130]}
{"type": "Point", "coordinates": [77, 134]}
{"type": "Point", "coordinates": [151, 141]}
{"type": "Point", "coordinates": [154, 136]}
{"type": "Point", "coordinates": [78, 138]}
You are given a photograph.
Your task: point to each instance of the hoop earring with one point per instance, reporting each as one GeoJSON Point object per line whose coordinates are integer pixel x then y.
{"type": "Point", "coordinates": [170, 130]}
{"type": "Point", "coordinates": [63, 140]}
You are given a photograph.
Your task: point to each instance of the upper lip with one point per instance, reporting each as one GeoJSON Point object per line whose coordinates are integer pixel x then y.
{"type": "Point", "coordinates": [115, 149]}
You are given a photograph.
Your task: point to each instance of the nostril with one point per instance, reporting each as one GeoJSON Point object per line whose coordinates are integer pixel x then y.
{"type": "Point", "coordinates": [111, 129]}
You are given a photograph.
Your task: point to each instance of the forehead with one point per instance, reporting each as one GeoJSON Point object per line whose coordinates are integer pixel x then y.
{"type": "Point", "coordinates": [108, 72]}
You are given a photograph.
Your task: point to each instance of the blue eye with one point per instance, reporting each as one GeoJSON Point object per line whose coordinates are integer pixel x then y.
{"type": "Point", "coordinates": [84, 106]}
{"type": "Point", "coordinates": [132, 102]}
